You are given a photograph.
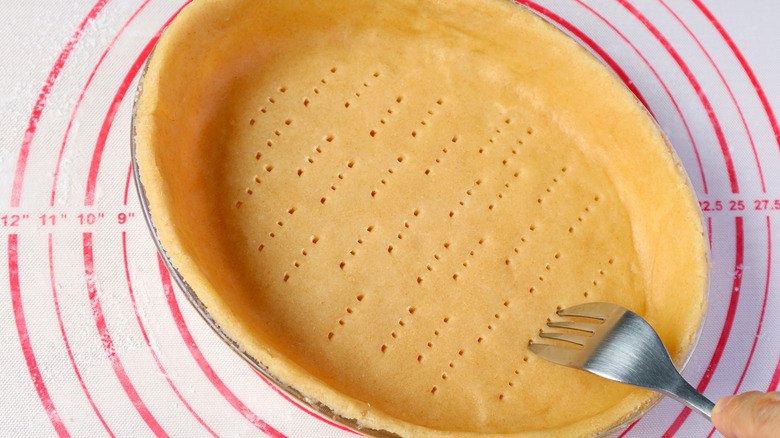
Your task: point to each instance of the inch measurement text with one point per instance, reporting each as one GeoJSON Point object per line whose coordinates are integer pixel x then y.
{"type": "Point", "coordinates": [65, 219]}
{"type": "Point", "coordinates": [90, 218]}
{"type": "Point", "coordinates": [122, 218]}
{"type": "Point", "coordinates": [13, 220]}
{"type": "Point", "coordinates": [51, 219]}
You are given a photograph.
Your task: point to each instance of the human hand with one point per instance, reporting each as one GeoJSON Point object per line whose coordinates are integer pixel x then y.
{"type": "Point", "coordinates": [750, 415]}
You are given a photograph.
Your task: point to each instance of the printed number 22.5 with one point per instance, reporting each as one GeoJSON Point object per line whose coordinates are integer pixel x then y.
{"type": "Point", "coordinates": [708, 206]}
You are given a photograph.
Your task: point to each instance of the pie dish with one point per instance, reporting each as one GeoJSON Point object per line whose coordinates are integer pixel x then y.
{"type": "Point", "coordinates": [379, 205]}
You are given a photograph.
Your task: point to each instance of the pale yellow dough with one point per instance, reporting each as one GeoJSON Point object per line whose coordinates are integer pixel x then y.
{"type": "Point", "coordinates": [383, 202]}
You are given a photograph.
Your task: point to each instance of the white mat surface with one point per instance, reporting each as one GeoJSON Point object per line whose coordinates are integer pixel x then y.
{"type": "Point", "coordinates": [95, 342]}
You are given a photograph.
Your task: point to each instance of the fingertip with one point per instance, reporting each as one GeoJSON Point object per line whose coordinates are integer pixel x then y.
{"type": "Point", "coordinates": [720, 406]}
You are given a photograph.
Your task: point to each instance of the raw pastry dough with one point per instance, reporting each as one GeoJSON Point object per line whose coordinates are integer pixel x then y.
{"type": "Point", "coordinates": [384, 202]}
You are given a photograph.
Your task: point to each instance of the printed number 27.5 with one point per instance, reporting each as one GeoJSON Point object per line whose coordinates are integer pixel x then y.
{"type": "Point", "coordinates": [763, 204]}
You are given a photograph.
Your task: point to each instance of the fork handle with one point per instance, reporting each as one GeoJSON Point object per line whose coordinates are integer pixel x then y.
{"type": "Point", "coordinates": [686, 394]}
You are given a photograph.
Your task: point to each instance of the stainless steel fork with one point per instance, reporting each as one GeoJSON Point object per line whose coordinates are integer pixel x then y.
{"type": "Point", "coordinates": [622, 347]}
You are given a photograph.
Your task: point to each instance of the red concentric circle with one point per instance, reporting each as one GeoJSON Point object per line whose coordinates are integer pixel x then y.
{"type": "Point", "coordinates": [100, 346]}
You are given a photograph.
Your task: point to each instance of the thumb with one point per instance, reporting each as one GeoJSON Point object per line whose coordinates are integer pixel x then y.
{"type": "Point", "coordinates": [749, 415]}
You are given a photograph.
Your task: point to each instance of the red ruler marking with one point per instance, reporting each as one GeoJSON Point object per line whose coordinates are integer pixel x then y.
{"type": "Point", "coordinates": [763, 305]}
{"type": "Point", "coordinates": [745, 66]}
{"type": "Point", "coordinates": [775, 379]}
{"type": "Point", "coordinates": [67, 344]}
{"type": "Point", "coordinates": [108, 344]}
{"type": "Point", "coordinates": [81, 97]}
{"type": "Point", "coordinates": [773, 382]}
{"type": "Point", "coordinates": [97, 155]}
{"type": "Point", "coordinates": [24, 338]}
{"type": "Point", "coordinates": [298, 405]}
{"type": "Point", "coordinates": [763, 310]}
{"type": "Point", "coordinates": [203, 363]}
{"type": "Point", "coordinates": [697, 88]}
{"type": "Point", "coordinates": [89, 198]}
{"type": "Point", "coordinates": [727, 325]}
{"type": "Point", "coordinates": [40, 104]}
{"type": "Point", "coordinates": [728, 89]}
{"type": "Point", "coordinates": [127, 183]}
{"type": "Point", "coordinates": [149, 344]}
{"type": "Point", "coordinates": [628, 429]}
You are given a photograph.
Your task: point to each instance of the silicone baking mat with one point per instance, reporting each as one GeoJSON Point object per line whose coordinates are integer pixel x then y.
{"type": "Point", "coordinates": [96, 341]}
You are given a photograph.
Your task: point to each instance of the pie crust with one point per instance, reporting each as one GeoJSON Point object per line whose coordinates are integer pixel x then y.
{"type": "Point", "coordinates": [383, 203]}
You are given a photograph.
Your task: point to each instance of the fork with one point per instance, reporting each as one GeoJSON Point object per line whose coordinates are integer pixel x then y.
{"type": "Point", "coordinates": [622, 347]}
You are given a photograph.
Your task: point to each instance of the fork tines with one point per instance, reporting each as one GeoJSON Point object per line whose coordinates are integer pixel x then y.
{"type": "Point", "coordinates": [589, 310]}
{"type": "Point", "coordinates": [566, 337]}
{"type": "Point", "coordinates": [596, 313]}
